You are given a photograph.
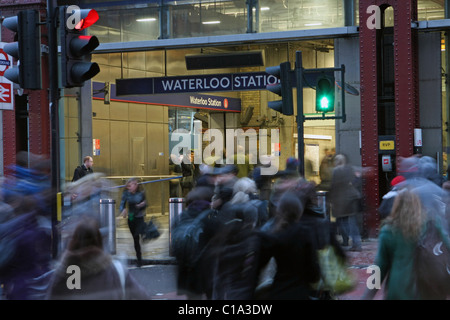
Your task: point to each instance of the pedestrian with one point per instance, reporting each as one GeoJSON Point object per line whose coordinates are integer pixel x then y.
{"type": "Point", "coordinates": [291, 243]}
{"type": "Point", "coordinates": [84, 169]}
{"type": "Point", "coordinates": [87, 272]}
{"type": "Point", "coordinates": [25, 226]}
{"type": "Point", "coordinates": [286, 180]}
{"type": "Point", "coordinates": [263, 181]}
{"type": "Point", "coordinates": [326, 169]}
{"type": "Point", "coordinates": [244, 198]}
{"type": "Point", "coordinates": [388, 199]}
{"type": "Point", "coordinates": [174, 169]}
{"type": "Point", "coordinates": [225, 178]}
{"type": "Point", "coordinates": [345, 201]}
{"type": "Point", "coordinates": [234, 255]}
{"type": "Point", "coordinates": [190, 273]}
{"type": "Point", "coordinates": [188, 171]}
{"type": "Point", "coordinates": [134, 197]}
{"type": "Point", "coordinates": [396, 247]}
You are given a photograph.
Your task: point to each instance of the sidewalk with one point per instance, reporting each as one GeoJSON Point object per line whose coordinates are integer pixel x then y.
{"type": "Point", "coordinates": [154, 251]}
{"type": "Point", "coordinates": [157, 252]}
{"type": "Point", "coordinates": [358, 264]}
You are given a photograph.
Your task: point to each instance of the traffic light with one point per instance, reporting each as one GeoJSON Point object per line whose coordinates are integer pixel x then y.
{"type": "Point", "coordinates": [27, 49]}
{"type": "Point", "coordinates": [283, 89]}
{"type": "Point", "coordinates": [76, 46]}
{"type": "Point", "coordinates": [324, 95]}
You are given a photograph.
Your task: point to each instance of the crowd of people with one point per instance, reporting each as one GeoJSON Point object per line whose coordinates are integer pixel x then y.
{"type": "Point", "coordinates": [266, 247]}
{"type": "Point", "coordinates": [239, 237]}
{"type": "Point", "coordinates": [253, 244]}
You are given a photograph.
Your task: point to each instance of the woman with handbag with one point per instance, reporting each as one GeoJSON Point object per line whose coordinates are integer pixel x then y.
{"type": "Point", "coordinates": [396, 247]}
{"type": "Point", "coordinates": [134, 196]}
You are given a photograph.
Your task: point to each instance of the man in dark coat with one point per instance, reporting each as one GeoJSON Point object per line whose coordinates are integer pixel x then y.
{"type": "Point", "coordinates": [84, 169]}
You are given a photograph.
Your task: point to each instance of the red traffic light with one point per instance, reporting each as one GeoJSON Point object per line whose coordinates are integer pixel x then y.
{"type": "Point", "coordinates": [88, 18]}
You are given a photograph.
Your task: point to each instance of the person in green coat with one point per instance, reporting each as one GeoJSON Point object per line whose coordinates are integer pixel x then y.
{"type": "Point", "coordinates": [396, 244]}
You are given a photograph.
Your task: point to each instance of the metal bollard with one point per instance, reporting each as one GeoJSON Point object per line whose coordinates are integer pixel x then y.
{"type": "Point", "coordinates": [176, 207]}
{"type": "Point", "coordinates": [108, 222]}
{"type": "Point", "coordinates": [322, 202]}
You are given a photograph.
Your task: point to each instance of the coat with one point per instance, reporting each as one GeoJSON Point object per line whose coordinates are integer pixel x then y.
{"type": "Point", "coordinates": [344, 196]}
{"type": "Point", "coordinates": [298, 268]}
{"type": "Point", "coordinates": [80, 172]}
{"type": "Point", "coordinates": [100, 279]}
{"type": "Point", "coordinates": [395, 259]}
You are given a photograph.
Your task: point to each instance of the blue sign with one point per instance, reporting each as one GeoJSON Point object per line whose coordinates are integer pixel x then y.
{"type": "Point", "coordinates": [187, 100]}
{"type": "Point", "coordinates": [196, 83]}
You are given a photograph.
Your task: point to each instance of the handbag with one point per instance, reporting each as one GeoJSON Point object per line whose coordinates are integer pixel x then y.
{"type": "Point", "coordinates": [150, 231]}
{"type": "Point", "coordinates": [335, 276]}
{"type": "Point", "coordinates": [432, 264]}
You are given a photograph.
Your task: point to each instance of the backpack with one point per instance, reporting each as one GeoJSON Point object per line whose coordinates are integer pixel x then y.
{"type": "Point", "coordinates": [432, 265]}
{"type": "Point", "coordinates": [186, 238]}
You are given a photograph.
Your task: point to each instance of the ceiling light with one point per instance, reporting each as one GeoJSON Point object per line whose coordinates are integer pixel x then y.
{"type": "Point", "coordinates": [211, 22]}
{"type": "Point", "coordinates": [146, 19]}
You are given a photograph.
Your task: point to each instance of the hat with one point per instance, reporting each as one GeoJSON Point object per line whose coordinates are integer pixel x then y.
{"type": "Point", "coordinates": [397, 180]}
{"type": "Point", "coordinates": [229, 168]}
{"type": "Point", "coordinates": [292, 164]}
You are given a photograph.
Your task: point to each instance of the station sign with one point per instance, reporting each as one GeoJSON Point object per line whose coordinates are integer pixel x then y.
{"type": "Point", "coordinates": [184, 100]}
{"type": "Point", "coordinates": [196, 83]}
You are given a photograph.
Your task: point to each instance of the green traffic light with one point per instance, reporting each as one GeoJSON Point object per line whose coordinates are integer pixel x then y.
{"type": "Point", "coordinates": [324, 103]}
{"type": "Point", "coordinates": [324, 95]}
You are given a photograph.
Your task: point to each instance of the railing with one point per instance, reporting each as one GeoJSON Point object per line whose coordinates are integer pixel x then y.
{"type": "Point", "coordinates": [159, 178]}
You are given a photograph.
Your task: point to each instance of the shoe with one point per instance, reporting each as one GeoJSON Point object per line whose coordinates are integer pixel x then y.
{"type": "Point", "coordinates": [356, 249]}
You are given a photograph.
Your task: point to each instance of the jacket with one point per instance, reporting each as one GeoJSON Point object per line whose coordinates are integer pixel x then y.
{"type": "Point", "coordinates": [80, 172]}
{"type": "Point", "coordinates": [133, 199]}
{"type": "Point", "coordinates": [99, 280]}
{"type": "Point", "coordinates": [344, 196]}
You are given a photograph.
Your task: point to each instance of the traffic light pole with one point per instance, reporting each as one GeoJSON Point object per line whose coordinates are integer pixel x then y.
{"type": "Point", "coordinates": [300, 117]}
{"type": "Point", "coordinates": [54, 95]}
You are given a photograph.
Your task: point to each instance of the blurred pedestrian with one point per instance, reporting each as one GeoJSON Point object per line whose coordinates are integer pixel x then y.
{"type": "Point", "coordinates": [432, 196]}
{"type": "Point", "coordinates": [84, 169]}
{"type": "Point", "coordinates": [345, 201]}
{"type": "Point", "coordinates": [234, 254]}
{"type": "Point", "coordinates": [174, 169]}
{"type": "Point", "coordinates": [191, 275]}
{"type": "Point", "coordinates": [188, 171]}
{"type": "Point", "coordinates": [263, 181]}
{"type": "Point", "coordinates": [291, 243]}
{"type": "Point", "coordinates": [225, 178]}
{"type": "Point", "coordinates": [25, 226]}
{"type": "Point", "coordinates": [134, 197]}
{"type": "Point", "coordinates": [326, 169]}
{"type": "Point", "coordinates": [244, 198]}
{"type": "Point", "coordinates": [285, 180]}
{"type": "Point", "coordinates": [205, 178]}
{"type": "Point", "coordinates": [396, 247]}
{"type": "Point", "coordinates": [87, 272]}
{"type": "Point", "coordinates": [388, 199]}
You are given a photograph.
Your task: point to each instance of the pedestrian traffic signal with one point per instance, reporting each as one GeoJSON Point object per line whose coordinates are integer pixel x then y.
{"type": "Point", "coordinates": [324, 95]}
{"type": "Point", "coordinates": [283, 89]}
{"type": "Point", "coordinates": [76, 46]}
{"type": "Point", "coordinates": [26, 49]}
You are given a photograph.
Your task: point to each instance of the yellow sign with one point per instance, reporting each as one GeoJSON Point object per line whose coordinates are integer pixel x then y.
{"type": "Point", "coordinates": [387, 145]}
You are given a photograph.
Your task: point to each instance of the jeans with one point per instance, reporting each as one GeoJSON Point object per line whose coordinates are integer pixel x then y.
{"type": "Point", "coordinates": [136, 227]}
{"type": "Point", "coordinates": [348, 226]}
